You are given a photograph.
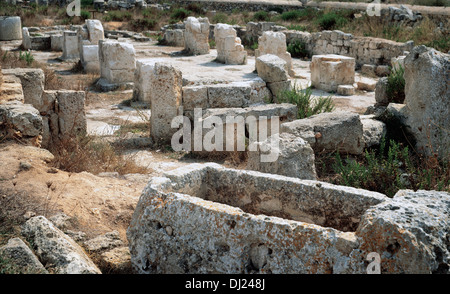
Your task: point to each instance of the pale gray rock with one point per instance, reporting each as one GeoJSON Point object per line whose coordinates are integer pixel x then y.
{"type": "Point", "coordinates": [10, 28]}
{"type": "Point", "coordinates": [233, 221]}
{"type": "Point", "coordinates": [373, 130]}
{"type": "Point", "coordinates": [272, 68]}
{"type": "Point", "coordinates": [427, 100]}
{"type": "Point", "coordinates": [411, 232]}
{"type": "Point", "coordinates": [56, 249]}
{"type": "Point", "coordinates": [21, 256]}
{"type": "Point", "coordinates": [294, 157]}
{"type": "Point", "coordinates": [24, 118]}
{"type": "Point", "coordinates": [33, 80]}
{"type": "Point", "coordinates": [104, 242]}
{"type": "Point", "coordinates": [381, 96]}
{"type": "Point", "coordinates": [332, 131]}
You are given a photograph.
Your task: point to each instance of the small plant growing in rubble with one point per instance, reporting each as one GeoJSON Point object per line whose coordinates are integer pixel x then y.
{"type": "Point", "coordinates": [391, 168]}
{"type": "Point", "coordinates": [307, 105]}
{"type": "Point", "coordinates": [27, 56]}
{"type": "Point", "coordinates": [396, 85]}
{"type": "Point", "coordinates": [298, 49]}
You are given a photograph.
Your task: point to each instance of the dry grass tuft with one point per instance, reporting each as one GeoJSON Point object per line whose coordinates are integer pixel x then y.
{"type": "Point", "coordinates": [92, 154]}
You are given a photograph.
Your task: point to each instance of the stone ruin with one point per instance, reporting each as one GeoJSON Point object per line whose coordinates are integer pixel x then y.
{"type": "Point", "coordinates": [10, 28]}
{"type": "Point", "coordinates": [117, 64]}
{"type": "Point", "coordinates": [250, 222]}
{"type": "Point", "coordinates": [328, 72]}
{"type": "Point", "coordinates": [272, 217]}
{"type": "Point", "coordinates": [196, 35]}
{"type": "Point", "coordinates": [274, 43]}
{"type": "Point", "coordinates": [88, 40]}
{"type": "Point", "coordinates": [229, 48]}
{"type": "Point", "coordinates": [274, 71]}
{"type": "Point", "coordinates": [41, 117]}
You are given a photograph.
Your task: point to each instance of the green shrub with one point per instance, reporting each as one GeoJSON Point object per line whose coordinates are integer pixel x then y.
{"type": "Point", "coordinates": [307, 105]}
{"type": "Point", "coordinates": [261, 16]}
{"type": "Point", "coordinates": [291, 15]}
{"type": "Point", "coordinates": [142, 24]}
{"type": "Point", "coordinates": [85, 14]}
{"type": "Point", "coordinates": [117, 15]}
{"type": "Point", "coordinates": [295, 27]}
{"type": "Point", "coordinates": [85, 3]}
{"type": "Point", "coordinates": [298, 49]}
{"type": "Point", "coordinates": [331, 20]}
{"type": "Point", "coordinates": [396, 85]}
{"type": "Point", "coordinates": [254, 46]}
{"type": "Point", "coordinates": [442, 44]}
{"type": "Point", "coordinates": [301, 14]}
{"type": "Point", "coordinates": [195, 8]}
{"type": "Point", "coordinates": [220, 18]}
{"type": "Point", "coordinates": [391, 169]}
{"type": "Point", "coordinates": [180, 14]}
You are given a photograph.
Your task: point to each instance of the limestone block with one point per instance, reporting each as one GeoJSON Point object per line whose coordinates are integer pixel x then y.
{"type": "Point", "coordinates": [10, 28]}
{"type": "Point", "coordinates": [427, 100]}
{"type": "Point", "coordinates": [411, 224]}
{"type": "Point", "coordinates": [195, 97]}
{"type": "Point", "coordinates": [70, 45]}
{"type": "Point", "coordinates": [142, 85]}
{"type": "Point", "coordinates": [366, 84]}
{"type": "Point", "coordinates": [117, 61]}
{"type": "Point", "coordinates": [21, 256]}
{"type": "Point", "coordinates": [368, 69]}
{"type": "Point", "coordinates": [56, 248]}
{"type": "Point", "coordinates": [228, 95]}
{"type": "Point", "coordinates": [174, 38]}
{"type": "Point", "coordinates": [331, 131]}
{"type": "Point", "coordinates": [381, 96]}
{"type": "Point", "coordinates": [90, 59]}
{"type": "Point", "coordinates": [196, 35]}
{"type": "Point", "coordinates": [272, 68]}
{"type": "Point", "coordinates": [382, 70]}
{"type": "Point", "coordinates": [274, 43]}
{"type": "Point", "coordinates": [233, 218]}
{"type": "Point", "coordinates": [32, 80]}
{"type": "Point", "coordinates": [228, 45]}
{"type": "Point", "coordinates": [346, 90]}
{"type": "Point", "coordinates": [10, 88]}
{"type": "Point", "coordinates": [373, 130]}
{"type": "Point", "coordinates": [19, 117]}
{"type": "Point", "coordinates": [330, 71]}
{"type": "Point", "coordinates": [95, 31]}
{"type": "Point", "coordinates": [57, 42]}
{"type": "Point", "coordinates": [26, 39]}
{"type": "Point", "coordinates": [71, 113]}
{"type": "Point", "coordinates": [260, 92]}
{"type": "Point", "coordinates": [295, 158]}
{"type": "Point", "coordinates": [166, 99]}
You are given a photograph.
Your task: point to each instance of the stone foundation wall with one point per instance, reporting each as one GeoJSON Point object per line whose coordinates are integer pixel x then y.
{"type": "Point", "coordinates": [365, 50]}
